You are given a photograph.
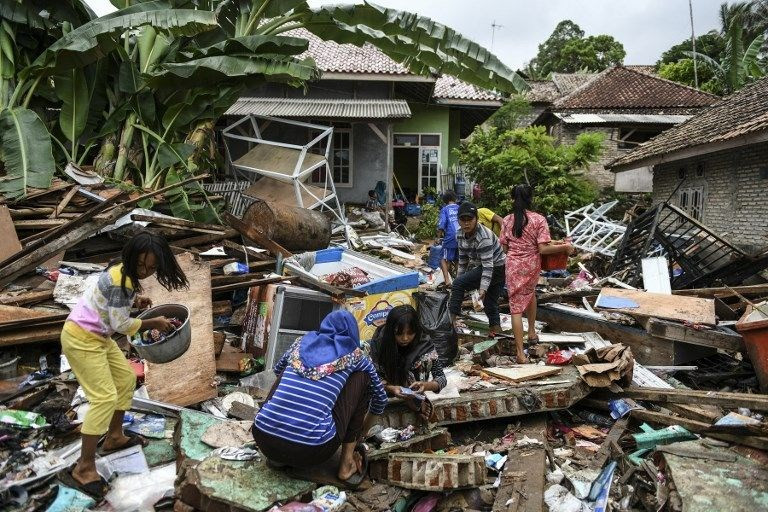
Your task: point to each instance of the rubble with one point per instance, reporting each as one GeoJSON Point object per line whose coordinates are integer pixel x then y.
{"type": "Point", "coordinates": [629, 391]}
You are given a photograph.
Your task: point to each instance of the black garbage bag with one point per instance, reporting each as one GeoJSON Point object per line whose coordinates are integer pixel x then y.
{"type": "Point", "coordinates": [436, 322]}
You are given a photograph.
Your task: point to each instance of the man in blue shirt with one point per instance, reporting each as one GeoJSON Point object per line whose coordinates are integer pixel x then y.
{"type": "Point", "coordinates": [447, 225]}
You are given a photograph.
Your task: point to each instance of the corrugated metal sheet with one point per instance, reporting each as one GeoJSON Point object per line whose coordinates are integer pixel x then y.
{"type": "Point", "coordinates": [623, 118]}
{"type": "Point", "coordinates": [330, 108]}
{"type": "Point", "coordinates": [232, 191]}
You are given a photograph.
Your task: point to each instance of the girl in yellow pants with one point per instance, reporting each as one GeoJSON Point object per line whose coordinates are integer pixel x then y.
{"type": "Point", "coordinates": [97, 362]}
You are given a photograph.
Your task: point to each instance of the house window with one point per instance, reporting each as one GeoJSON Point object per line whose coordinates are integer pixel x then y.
{"type": "Point", "coordinates": [630, 138]}
{"type": "Point", "coordinates": [340, 159]}
{"type": "Point", "coordinates": [681, 173]}
{"type": "Point", "coordinates": [691, 201]}
{"type": "Point", "coordinates": [406, 139]}
{"type": "Point", "coordinates": [700, 170]}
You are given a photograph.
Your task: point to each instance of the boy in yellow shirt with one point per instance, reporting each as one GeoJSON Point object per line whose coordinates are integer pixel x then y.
{"type": "Point", "coordinates": [489, 219]}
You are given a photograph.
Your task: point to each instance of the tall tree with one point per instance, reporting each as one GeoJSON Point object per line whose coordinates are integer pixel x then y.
{"type": "Point", "coordinates": [567, 50]}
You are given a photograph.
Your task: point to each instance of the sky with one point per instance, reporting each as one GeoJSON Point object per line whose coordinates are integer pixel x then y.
{"type": "Point", "coordinates": [646, 28]}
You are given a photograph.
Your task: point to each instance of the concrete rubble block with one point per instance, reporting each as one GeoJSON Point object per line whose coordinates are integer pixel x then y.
{"type": "Point", "coordinates": [222, 485]}
{"type": "Point", "coordinates": [546, 394]}
{"type": "Point", "coordinates": [431, 472]}
{"type": "Point", "coordinates": [432, 441]}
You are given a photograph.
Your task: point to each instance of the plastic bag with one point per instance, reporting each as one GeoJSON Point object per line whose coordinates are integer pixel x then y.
{"type": "Point", "coordinates": [559, 357]}
{"type": "Point", "coordinates": [436, 322]}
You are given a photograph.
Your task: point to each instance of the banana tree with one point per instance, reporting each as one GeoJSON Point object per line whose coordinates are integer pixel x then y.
{"type": "Point", "coordinates": [157, 74]}
{"type": "Point", "coordinates": [739, 65]}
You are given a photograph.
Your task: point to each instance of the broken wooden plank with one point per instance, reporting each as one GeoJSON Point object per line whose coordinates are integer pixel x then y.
{"type": "Point", "coordinates": [64, 201]}
{"type": "Point", "coordinates": [190, 378]}
{"type": "Point", "coordinates": [704, 337]}
{"type": "Point", "coordinates": [203, 240]}
{"type": "Point", "coordinates": [230, 358]}
{"type": "Point", "coordinates": [646, 348]}
{"type": "Point", "coordinates": [10, 241]}
{"type": "Point", "coordinates": [698, 427]}
{"type": "Point", "coordinates": [522, 481]}
{"type": "Point", "coordinates": [692, 396]}
{"type": "Point", "coordinates": [522, 373]}
{"type": "Point", "coordinates": [24, 298]}
{"type": "Point", "coordinates": [721, 292]}
{"type": "Point", "coordinates": [601, 457]}
{"type": "Point", "coordinates": [179, 223]}
{"type": "Point", "coordinates": [659, 305]}
{"type": "Point", "coordinates": [251, 233]}
{"type": "Point", "coordinates": [249, 284]}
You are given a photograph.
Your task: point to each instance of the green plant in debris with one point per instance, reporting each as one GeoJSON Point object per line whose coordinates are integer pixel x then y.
{"type": "Point", "coordinates": [140, 89]}
{"type": "Point", "coordinates": [498, 160]}
{"type": "Point", "coordinates": [427, 228]}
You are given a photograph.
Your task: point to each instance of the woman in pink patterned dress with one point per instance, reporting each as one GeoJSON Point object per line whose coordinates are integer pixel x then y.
{"type": "Point", "coordinates": [524, 237]}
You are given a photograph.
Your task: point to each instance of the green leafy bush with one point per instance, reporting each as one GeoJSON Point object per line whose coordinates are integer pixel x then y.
{"type": "Point", "coordinates": [427, 228]}
{"type": "Point", "coordinates": [498, 160]}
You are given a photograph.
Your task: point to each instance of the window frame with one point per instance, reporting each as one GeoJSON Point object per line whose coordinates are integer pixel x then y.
{"type": "Point", "coordinates": [318, 176]}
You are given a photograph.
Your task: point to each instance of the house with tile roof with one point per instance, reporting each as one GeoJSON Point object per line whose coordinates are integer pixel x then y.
{"type": "Point", "coordinates": [628, 105]}
{"type": "Point", "coordinates": [385, 118]}
{"type": "Point", "coordinates": [714, 166]}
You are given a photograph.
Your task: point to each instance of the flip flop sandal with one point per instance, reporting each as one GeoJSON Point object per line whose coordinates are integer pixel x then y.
{"type": "Point", "coordinates": [533, 340]}
{"type": "Point", "coordinates": [356, 479]}
{"type": "Point", "coordinates": [96, 489]}
{"type": "Point", "coordinates": [133, 440]}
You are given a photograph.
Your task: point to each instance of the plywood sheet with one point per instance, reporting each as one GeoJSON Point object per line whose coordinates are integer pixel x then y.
{"type": "Point", "coordinates": [11, 313]}
{"type": "Point", "coordinates": [10, 244]}
{"type": "Point", "coordinates": [276, 191]}
{"type": "Point", "coordinates": [522, 372]}
{"type": "Point", "coordinates": [277, 159]}
{"type": "Point", "coordinates": [669, 307]}
{"type": "Point", "coordinates": [190, 378]}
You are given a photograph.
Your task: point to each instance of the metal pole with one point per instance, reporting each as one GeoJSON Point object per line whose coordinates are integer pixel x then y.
{"type": "Point", "coordinates": [693, 44]}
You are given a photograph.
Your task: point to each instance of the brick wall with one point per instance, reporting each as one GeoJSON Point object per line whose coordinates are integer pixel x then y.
{"type": "Point", "coordinates": [735, 194]}
{"type": "Point", "coordinates": [597, 173]}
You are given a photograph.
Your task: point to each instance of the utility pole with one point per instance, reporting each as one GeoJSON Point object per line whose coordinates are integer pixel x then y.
{"type": "Point", "coordinates": [693, 44]}
{"type": "Point", "coordinates": [494, 26]}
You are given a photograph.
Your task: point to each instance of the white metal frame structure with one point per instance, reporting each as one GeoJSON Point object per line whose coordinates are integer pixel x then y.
{"type": "Point", "coordinates": [306, 160]}
{"type": "Point", "coordinates": [593, 231]}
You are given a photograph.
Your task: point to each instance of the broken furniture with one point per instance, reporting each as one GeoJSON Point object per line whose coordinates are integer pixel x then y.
{"type": "Point", "coordinates": [286, 166]}
{"type": "Point", "coordinates": [590, 230]}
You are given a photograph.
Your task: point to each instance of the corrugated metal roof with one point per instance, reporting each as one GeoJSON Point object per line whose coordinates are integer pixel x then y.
{"type": "Point", "coordinates": [623, 118]}
{"type": "Point", "coordinates": [330, 108]}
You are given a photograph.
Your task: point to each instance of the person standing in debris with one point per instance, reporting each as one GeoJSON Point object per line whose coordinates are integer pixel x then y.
{"type": "Point", "coordinates": [447, 226]}
{"type": "Point", "coordinates": [97, 362]}
{"type": "Point", "coordinates": [325, 385]}
{"type": "Point", "coordinates": [489, 219]}
{"type": "Point", "coordinates": [525, 237]}
{"type": "Point", "coordinates": [402, 357]}
{"type": "Point", "coordinates": [481, 267]}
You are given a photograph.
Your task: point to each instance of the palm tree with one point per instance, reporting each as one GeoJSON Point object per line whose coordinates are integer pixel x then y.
{"type": "Point", "coordinates": [739, 64]}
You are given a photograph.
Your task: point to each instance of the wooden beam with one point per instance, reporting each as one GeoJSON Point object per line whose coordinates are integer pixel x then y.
{"type": "Point", "coordinates": [722, 292]}
{"type": "Point", "coordinates": [704, 337]}
{"type": "Point", "coordinates": [25, 298]}
{"type": "Point", "coordinates": [698, 427]}
{"type": "Point", "coordinates": [204, 239]}
{"type": "Point", "coordinates": [64, 201]}
{"type": "Point", "coordinates": [618, 428]}
{"type": "Point", "coordinates": [692, 396]}
{"type": "Point", "coordinates": [248, 284]}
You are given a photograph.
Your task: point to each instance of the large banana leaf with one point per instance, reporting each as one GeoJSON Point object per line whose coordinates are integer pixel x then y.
{"type": "Point", "coordinates": [212, 70]}
{"type": "Point", "coordinates": [750, 63]}
{"type": "Point", "coordinates": [415, 41]}
{"type": "Point", "coordinates": [25, 145]}
{"type": "Point", "coordinates": [97, 38]}
{"type": "Point", "coordinates": [253, 45]}
{"type": "Point", "coordinates": [72, 90]}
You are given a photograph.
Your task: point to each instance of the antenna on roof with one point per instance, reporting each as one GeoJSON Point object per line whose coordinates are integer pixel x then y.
{"type": "Point", "coordinates": [494, 26]}
{"type": "Point", "coordinates": [693, 44]}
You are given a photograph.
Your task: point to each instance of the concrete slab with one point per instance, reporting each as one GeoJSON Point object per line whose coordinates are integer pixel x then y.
{"type": "Point", "coordinates": [237, 486]}
{"type": "Point", "coordinates": [192, 426]}
{"type": "Point", "coordinates": [432, 441]}
{"type": "Point", "coordinates": [435, 472]}
{"type": "Point", "coordinates": [547, 394]}
{"type": "Point", "coordinates": [705, 480]}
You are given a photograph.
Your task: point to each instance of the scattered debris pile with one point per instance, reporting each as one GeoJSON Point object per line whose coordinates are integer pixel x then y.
{"type": "Point", "coordinates": [633, 399]}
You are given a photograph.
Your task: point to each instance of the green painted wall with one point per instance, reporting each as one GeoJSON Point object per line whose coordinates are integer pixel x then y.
{"type": "Point", "coordinates": [454, 136]}
{"type": "Point", "coordinates": [428, 119]}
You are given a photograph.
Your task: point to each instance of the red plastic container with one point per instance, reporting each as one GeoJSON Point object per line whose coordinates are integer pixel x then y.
{"type": "Point", "coordinates": [558, 261]}
{"type": "Point", "coordinates": [753, 327]}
